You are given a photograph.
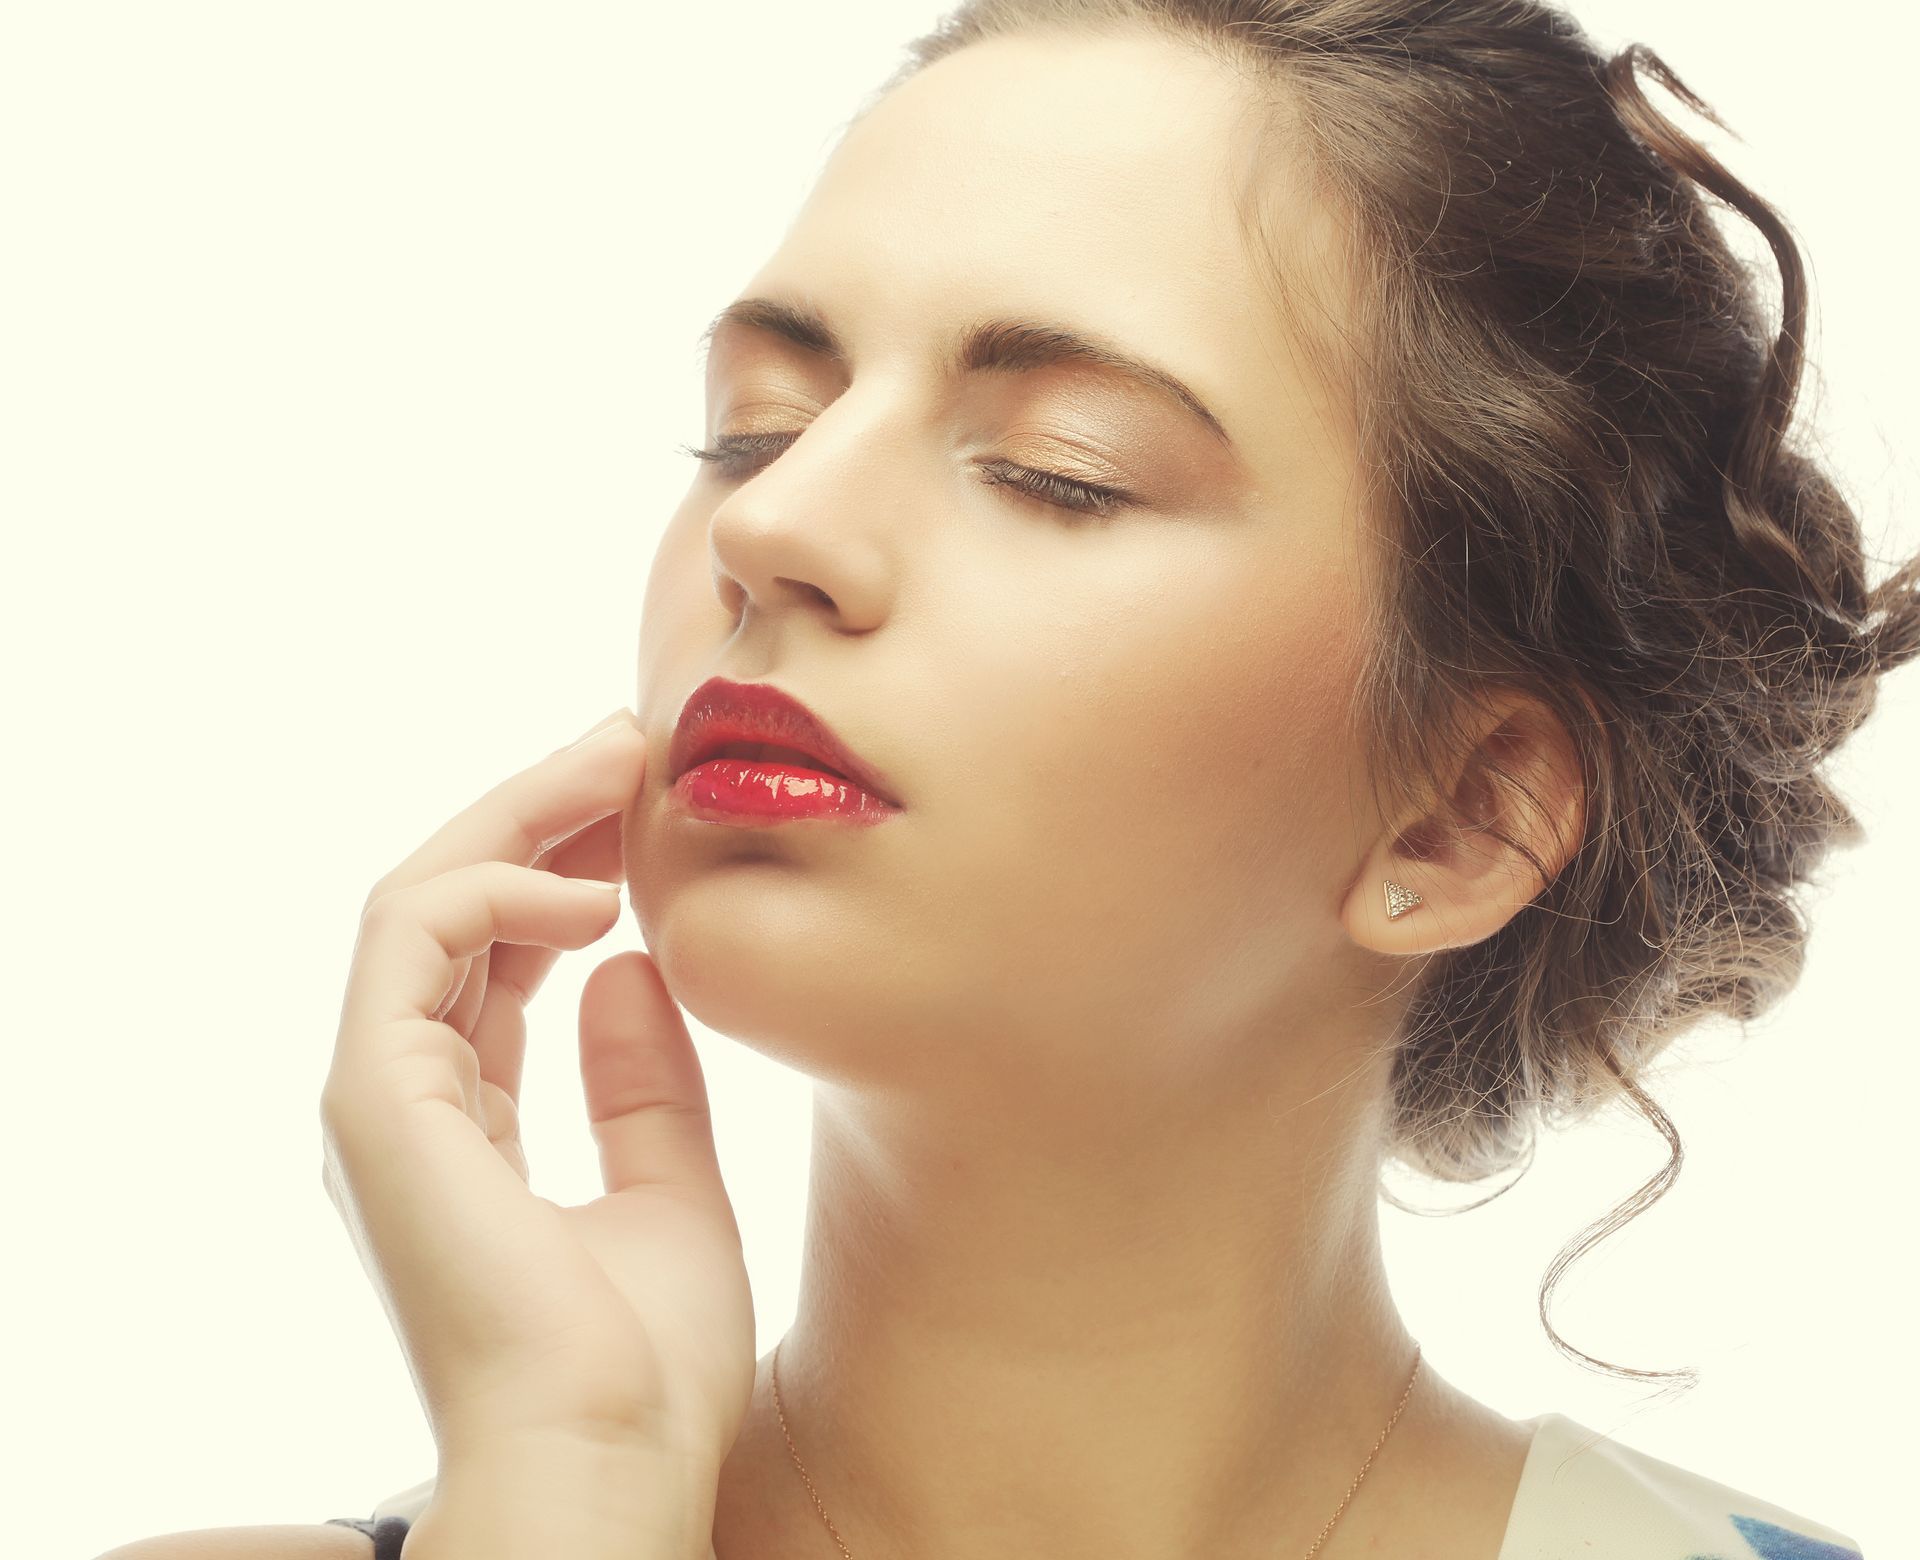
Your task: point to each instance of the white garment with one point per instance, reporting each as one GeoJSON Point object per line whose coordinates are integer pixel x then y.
{"type": "Point", "coordinates": [1584, 1496]}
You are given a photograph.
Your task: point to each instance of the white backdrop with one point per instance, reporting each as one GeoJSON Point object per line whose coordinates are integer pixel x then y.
{"type": "Point", "coordinates": [306, 308]}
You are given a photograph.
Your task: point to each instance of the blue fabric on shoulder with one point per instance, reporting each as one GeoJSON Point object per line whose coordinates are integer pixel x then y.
{"type": "Point", "coordinates": [1770, 1541]}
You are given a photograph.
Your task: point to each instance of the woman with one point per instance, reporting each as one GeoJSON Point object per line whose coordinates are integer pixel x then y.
{"type": "Point", "coordinates": [1247, 609]}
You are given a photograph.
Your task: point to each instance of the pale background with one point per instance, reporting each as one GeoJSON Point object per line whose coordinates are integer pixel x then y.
{"type": "Point", "coordinates": [343, 354]}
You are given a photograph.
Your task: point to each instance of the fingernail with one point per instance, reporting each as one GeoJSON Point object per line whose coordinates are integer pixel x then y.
{"type": "Point", "coordinates": [622, 721]}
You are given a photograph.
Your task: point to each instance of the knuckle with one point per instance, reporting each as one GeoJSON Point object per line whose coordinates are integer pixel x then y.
{"type": "Point", "coordinates": [400, 906]}
{"type": "Point", "coordinates": [517, 990]}
{"type": "Point", "coordinates": [378, 910]}
{"type": "Point", "coordinates": [329, 1108]}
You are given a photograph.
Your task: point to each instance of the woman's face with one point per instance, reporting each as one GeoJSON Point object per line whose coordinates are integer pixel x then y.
{"type": "Point", "coordinates": [1120, 744]}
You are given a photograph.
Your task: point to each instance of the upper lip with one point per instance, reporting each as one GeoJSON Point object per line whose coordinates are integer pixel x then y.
{"type": "Point", "coordinates": [720, 711]}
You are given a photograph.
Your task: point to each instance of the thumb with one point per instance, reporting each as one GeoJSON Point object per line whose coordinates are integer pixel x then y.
{"type": "Point", "coordinates": [646, 1094]}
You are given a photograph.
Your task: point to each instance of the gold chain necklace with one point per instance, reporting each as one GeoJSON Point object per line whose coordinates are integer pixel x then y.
{"type": "Point", "coordinates": [1364, 1467]}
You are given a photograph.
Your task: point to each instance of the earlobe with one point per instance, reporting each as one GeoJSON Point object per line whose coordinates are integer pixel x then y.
{"type": "Point", "coordinates": [1484, 849]}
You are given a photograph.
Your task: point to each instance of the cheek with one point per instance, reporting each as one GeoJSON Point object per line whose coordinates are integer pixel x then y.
{"type": "Point", "coordinates": [679, 587]}
{"type": "Point", "coordinates": [1180, 808]}
{"type": "Point", "coordinates": [1210, 716]}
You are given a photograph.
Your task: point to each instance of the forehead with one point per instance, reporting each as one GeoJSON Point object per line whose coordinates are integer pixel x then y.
{"type": "Point", "coordinates": [1092, 179]}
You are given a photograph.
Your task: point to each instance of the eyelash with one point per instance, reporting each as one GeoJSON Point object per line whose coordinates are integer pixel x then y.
{"type": "Point", "coordinates": [1089, 500]}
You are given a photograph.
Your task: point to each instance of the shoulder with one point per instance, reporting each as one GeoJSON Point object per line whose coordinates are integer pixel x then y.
{"type": "Point", "coordinates": [407, 1504]}
{"type": "Point", "coordinates": [337, 1538]}
{"type": "Point", "coordinates": [287, 1541]}
{"type": "Point", "coordinates": [1585, 1494]}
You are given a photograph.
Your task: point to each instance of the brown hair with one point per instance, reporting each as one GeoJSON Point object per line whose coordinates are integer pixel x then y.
{"type": "Point", "coordinates": [1564, 375]}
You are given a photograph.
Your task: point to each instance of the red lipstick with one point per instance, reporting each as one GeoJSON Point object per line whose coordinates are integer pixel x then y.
{"type": "Point", "coordinates": [752, 754]}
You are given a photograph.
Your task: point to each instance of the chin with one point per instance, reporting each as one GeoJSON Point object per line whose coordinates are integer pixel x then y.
{"type": "Point", "coordinates": [750, 953]}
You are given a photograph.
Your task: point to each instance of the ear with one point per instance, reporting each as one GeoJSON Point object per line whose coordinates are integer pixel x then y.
{"type": "Point", "coordinates": [1520, 779]}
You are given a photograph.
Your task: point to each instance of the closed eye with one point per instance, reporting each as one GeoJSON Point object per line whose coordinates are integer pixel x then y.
{"type": "Point", "coordinates": [737, 455]}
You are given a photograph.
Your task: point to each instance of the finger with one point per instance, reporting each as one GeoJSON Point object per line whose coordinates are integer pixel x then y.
{"type": "Point", "coordinates": [533, 811]}
{"type": "Point", "coordinates": [612, 717]}
{"type": "Point", "coordinates": [472, 990]}
{"type": "Point", "coordinates": [412, 938]}
{"type": "Point", "coordinates": [596, 850]}
{"type": "Point", "coordinates": [499, 1034]}
{"type": "Point", "coordinates": [646, 1094]}
{"type": "Point", "coordinates": [521, 968]}
{"type": "Point", "coordinates": [502, 1121]}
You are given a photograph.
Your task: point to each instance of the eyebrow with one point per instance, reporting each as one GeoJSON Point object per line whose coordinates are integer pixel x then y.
{"type": "Point", "coordinates": [1005, 345]}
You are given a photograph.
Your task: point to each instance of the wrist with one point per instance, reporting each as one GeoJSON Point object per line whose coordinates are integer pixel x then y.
{"type": "Point", "coordinates": [562, 1496]}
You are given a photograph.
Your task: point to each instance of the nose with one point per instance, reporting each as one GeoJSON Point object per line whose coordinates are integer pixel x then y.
{"type": "Point", "coordinates": [812, 526]}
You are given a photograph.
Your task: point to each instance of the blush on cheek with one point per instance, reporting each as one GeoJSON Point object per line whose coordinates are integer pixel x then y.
{"type": "Point", "coordinates": [1276, 684]}
{"type": "Point", "coordinates": [1255, 737]}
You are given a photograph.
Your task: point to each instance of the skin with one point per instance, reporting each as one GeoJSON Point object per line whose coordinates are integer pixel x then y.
{"type": "Point", "coordinates": [1098, 1023]}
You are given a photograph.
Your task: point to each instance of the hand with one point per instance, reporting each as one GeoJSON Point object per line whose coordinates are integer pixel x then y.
{"type": "Point", "coordinates": [626, 1321]}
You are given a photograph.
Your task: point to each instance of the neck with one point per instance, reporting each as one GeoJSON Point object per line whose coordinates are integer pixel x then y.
{"type": "Point", "coordinates": [1158, 1330]}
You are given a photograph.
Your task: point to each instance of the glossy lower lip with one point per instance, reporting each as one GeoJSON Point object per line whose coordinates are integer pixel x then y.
{"type": "Point", "coordinates": [755, 792]}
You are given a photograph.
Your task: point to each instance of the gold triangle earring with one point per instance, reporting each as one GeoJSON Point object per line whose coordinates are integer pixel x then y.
{"type": "Point", "coordinates": [1399, 900]}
